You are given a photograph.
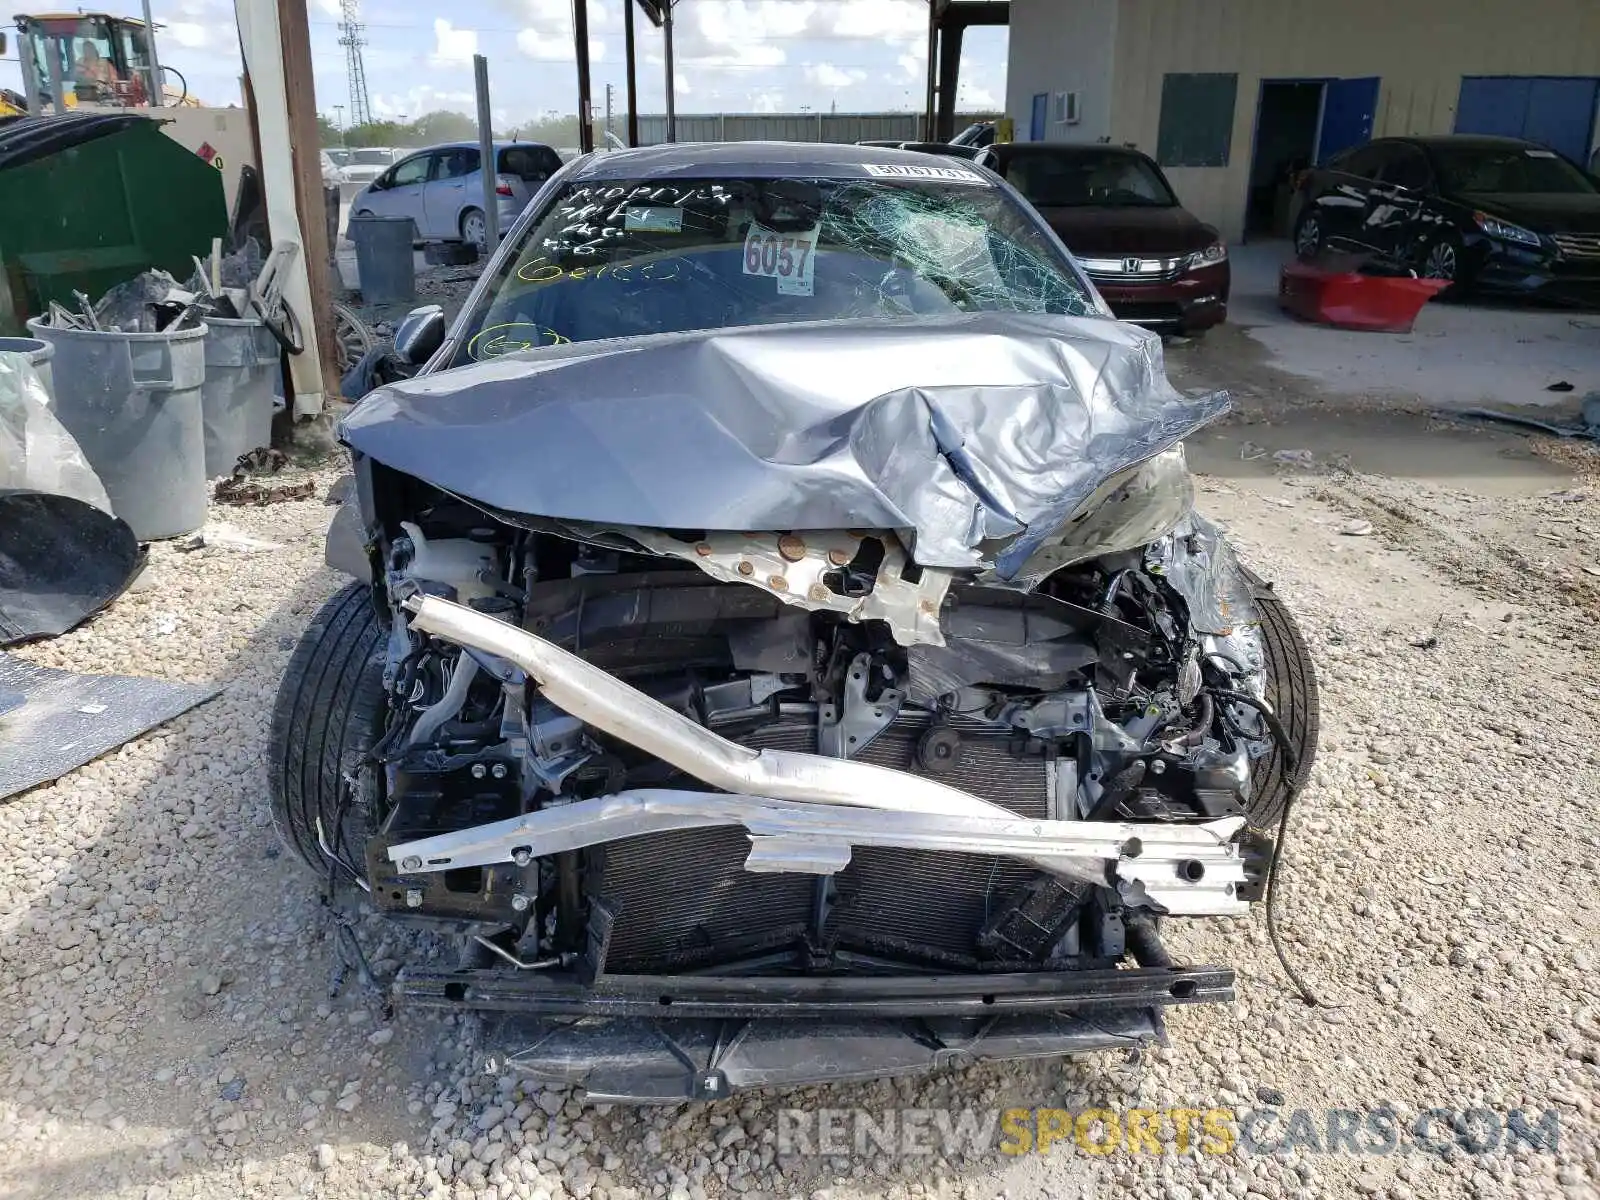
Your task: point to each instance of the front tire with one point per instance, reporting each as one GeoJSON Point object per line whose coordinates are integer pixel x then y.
{"type": "Point", "coordinates": [329, 713]}
{"type": "Point", "coordinates": [1294, 696]}
{"type": "Point", "coordinates": [1443, 258]}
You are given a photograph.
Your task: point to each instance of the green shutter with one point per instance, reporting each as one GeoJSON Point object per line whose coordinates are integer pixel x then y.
{"type": "Point", "coordinates": [1196, 120]}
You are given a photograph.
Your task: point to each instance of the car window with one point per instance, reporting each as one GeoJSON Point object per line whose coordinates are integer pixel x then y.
{"type": "Point", "coordinates": [1507, 169]}
{"type": "Point", "coordinates": [413, 170]}
{"type": "Point", "coordinates": [1406, 167]}
{"type": "Point", "coordinates": [456, 162]}
{"type": "Point", "coordinates": [1076, 178]}
{"type": "Point", "coordinates": [371, 158]}
{"type": "Point", "coordinates": [1364, 161]}
{"type": "Point", "coordinates": [533, 164]}
{"type": "Point", "coordinates": [621, 258]}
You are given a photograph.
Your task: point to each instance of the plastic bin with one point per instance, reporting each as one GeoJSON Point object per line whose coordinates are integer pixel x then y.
{"type": "Point", "coordinates": [236, 402]}
{"type": "Point", "coordinates": [38, 354]}
{"type": "Point", "coordinates": [132, 403]}
{"type": "Point", "coordinates": [384, 259]}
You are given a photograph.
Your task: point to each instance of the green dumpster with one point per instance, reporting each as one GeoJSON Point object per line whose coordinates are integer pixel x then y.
{"type": "Point", "coordinates": [93, 199]}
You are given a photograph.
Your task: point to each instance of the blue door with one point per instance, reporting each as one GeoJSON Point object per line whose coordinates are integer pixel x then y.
{"type": "Point", "coordinates": [1556, 111]}
{"type": "Point", "coordinates": [1348, 107]}
{"type": "Point", "coordinates": [1041, 109]}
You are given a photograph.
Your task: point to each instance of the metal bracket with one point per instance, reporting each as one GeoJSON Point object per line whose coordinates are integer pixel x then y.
{"type": "Point", "coordinates": [849, 727]}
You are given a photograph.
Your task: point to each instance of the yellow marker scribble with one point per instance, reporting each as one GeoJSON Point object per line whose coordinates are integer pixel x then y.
{"type": "Point", "coordinates": [511, 337]}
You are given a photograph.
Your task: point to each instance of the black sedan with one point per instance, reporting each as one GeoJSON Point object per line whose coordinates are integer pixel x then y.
{"type": "Point", "coordinates": [1490, 214]}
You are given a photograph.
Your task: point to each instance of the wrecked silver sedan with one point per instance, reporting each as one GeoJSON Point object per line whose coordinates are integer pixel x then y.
{"type": "Point", "coordinates": [786, 648]}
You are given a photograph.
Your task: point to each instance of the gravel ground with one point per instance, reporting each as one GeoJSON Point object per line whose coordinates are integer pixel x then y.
{"type": "Point", "coordinates": [165, 971]}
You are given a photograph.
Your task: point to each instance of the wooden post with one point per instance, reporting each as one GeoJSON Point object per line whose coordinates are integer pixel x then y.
{"type": "Point", "coordinates": [305, 144]}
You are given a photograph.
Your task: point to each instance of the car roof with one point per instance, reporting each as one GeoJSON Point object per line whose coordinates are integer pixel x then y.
{"type": "Point", "coordinates": [1469, 141]}
{"type": "Point", "coordinates": [713, 159]}
{"type": "Point", "coordinates": [1066, 149]}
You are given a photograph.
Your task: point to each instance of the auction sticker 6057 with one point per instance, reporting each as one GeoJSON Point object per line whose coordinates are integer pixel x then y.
{"type": "Point", "coordinates": [784, 257]}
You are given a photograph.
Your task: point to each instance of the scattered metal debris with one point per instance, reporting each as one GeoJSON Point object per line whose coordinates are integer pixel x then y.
{"type": "Point", "coordinates": [1588, 427]}
{"type": "Point", "coordinates": [66, 720]}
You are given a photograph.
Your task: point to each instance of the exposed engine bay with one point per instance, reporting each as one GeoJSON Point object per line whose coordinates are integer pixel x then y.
{"type": "Point", "coordinates": [1089, 700]}
{"type": "Point", "coordinates": [928, 791]}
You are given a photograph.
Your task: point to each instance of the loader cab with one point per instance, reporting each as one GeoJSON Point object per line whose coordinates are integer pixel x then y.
{"type": "Point", "coordinates": [83, 60]}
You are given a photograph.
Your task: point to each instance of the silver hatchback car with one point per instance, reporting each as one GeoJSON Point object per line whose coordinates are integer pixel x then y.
{"type": "Point", "coordinates": [441, 188]}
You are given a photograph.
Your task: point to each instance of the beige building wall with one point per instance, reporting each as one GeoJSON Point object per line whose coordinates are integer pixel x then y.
{"type": "Point", "coordinates": [1419, 49]}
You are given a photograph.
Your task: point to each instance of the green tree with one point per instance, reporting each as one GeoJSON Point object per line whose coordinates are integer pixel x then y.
{"type": "Point", "coordinates": [376, 133]}
{"type": "Point", "coordinates": [444, 126]}
{"type": "Point", "coordinates": [553, 131]}
{"type": "Point", "coordinates": [327, 132]}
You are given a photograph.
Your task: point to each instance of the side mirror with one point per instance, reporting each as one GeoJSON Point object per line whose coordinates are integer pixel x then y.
{"type": "Point", "coordinates": [420, 334]}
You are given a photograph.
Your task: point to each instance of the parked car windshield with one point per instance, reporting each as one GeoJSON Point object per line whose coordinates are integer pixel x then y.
{"type": "Point", "coordinates": [625, 257]}
{"type": "Point", "coordinates": [371, 158]}
{"type": "Point", "coordinates": [1526, 169]}
{"type": "Point", "coordinates": [1080, 178]}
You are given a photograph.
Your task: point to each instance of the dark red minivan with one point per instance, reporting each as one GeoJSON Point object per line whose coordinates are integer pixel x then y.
{"type": "Point", "coordinates": [1155, 263]}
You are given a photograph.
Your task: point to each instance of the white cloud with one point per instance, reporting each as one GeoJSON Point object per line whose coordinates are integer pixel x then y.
{"type": "Point", "coordinates": [187, 34]}
{"type": "Point", "coordinates": [413, 102]}
{"type": "Point", "coordinates": [744, 22]}
{"type": "Point", "coordinates": [453, 47]}
{"type": "Point", "coordinates": [881, 18]}
{"type": "Point", "coordinates": [826, 75]}
{"type": "Point", "coordinates": [756, 55]}
{"type": "Point", "coordinates": [975, 96]}
{"type": "Point", "coordinates": [769, 101]}
{"type": "Point", "coordinates": [543, 47]}
{"type": "Point", "coordinates": [331, 7]}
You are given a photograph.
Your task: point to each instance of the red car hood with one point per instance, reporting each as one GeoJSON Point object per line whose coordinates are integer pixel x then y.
{"type": "Point", "coordinates": [1094, 232]}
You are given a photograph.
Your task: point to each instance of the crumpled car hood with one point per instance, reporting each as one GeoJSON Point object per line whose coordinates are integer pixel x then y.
{"type": "Point", "coordinates": [974, 437]}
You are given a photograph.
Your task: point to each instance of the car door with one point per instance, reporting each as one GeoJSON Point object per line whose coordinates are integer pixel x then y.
{"type": "Point", "coordinates": [1344, 198]}
{"type": "Point", "coordinates": [402, 197]}
{"type": "Point", "coordinates": [454, 182]}
{"type": "Point", "coordinates": [1397, 205]}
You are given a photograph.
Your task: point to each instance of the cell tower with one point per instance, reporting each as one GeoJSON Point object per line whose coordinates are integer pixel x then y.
{"type": "Point", "coordinates": [350, 30]}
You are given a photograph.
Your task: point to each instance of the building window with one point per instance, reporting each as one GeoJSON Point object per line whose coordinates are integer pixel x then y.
{"type": "Point", "coordinates": [1196, 120]}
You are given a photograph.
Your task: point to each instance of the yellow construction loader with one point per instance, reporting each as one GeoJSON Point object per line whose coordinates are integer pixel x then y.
{"type": "Point", "coordinates": [87, 61]}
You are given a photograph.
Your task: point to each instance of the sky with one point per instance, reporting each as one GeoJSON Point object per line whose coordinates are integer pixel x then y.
{"type": "Point", "coordinates": [732, 56]}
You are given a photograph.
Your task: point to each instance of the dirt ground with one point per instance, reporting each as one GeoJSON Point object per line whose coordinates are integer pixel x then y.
{"type": "Point", "coordinates": [165, 970]}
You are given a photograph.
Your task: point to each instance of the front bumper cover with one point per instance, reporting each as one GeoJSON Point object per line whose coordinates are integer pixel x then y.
{"type": "Point", "coordinates": [643, 1061]}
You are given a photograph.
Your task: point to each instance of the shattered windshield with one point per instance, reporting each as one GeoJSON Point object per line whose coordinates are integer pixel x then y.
{"type": "Point", "coordinates": [620, 258]}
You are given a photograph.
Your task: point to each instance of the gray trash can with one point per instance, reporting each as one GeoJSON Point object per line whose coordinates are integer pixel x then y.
{"type": "Point", "coordinates": [132, 403]}
{"type": "Point", "coordinates": [236, 403]}
{"type": "Point", "coordinates": [384, 259]}
{"type": "Point", "coordinates": [39, 355]}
